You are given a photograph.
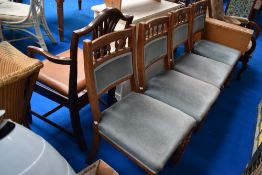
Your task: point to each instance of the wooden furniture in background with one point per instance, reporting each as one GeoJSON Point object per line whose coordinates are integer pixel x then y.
{"type": "Point", "coordinates": [142, 10]}
{"type": "Point", "coordinates": [67, 87]}
{"type": "Point", "coordinates": [18, 74]}
{"type": "Point", "coordinates": [117, 3]}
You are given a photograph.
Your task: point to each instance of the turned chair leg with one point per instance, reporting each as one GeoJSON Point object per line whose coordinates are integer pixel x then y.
{"type": "Point", "coordinates": [76, 125]}
{"type": "Point", "coordinates": [95, 144]}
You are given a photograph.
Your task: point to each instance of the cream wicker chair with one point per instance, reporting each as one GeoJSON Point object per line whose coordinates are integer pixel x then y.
{"type": "Point", "coordinates": [17, 16]}
{"type": "Point", "coordinates": [18, 74]}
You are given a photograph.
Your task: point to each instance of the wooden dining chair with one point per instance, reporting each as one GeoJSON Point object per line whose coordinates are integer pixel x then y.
{"type": "Point", "coordinates": [146, 130]}
{"type": "Point", "coordinates": [62, 78]}
{"type": "Point", "coordinates": [156, 77]}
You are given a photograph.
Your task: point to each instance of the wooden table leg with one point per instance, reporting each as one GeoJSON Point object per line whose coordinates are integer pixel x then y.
{"type": "Point", "coordinates": [60, 16]}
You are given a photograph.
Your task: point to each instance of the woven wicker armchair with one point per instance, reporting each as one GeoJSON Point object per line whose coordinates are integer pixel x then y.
{"type": "Point", "coordinates": [18, 74]}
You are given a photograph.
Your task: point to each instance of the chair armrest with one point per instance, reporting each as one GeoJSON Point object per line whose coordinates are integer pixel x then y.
{"type": "Point", "coordinates": [53, 58]}
{"type": "Point", "coordinates": [230, 35]}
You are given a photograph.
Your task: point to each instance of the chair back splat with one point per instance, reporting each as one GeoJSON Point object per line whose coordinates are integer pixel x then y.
{"type": "Point", "coordinates": [111, 55]}
{"type": "Point", "coordinates": [180, 29]}
{"type": "Point", "coordinates": [198, 16]}
{"type": "Point", "coordinates": [153, 48]}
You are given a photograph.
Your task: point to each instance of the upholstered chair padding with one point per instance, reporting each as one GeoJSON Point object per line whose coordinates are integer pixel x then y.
{"type": "Point", "coordinates": [203, 68]}
{"type": "Point", "coordinates": [154, 49]}
{"type": "Point", "coordinates": [146, 128]}
{"type": "Point", "coordinates": [180, 35]}
{"type": "Point", "coordinates": [217, 52]}
{"type": "Point", "coordinates": [199, 23]}
{"type": "Point", "coordinates": [11, 11]}
{"type": "Point", "coordinates": [56, 76]}
{"type": "Point", "coordinates": [111, 71]}
{"type": "Point", "coordinates": [183, 92]}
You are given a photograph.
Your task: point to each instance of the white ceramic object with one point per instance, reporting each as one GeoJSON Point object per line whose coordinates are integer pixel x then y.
{"type": "Point", "coordinates": [2, 112]}
{"type": "Point", "coordinates": [22, 152]}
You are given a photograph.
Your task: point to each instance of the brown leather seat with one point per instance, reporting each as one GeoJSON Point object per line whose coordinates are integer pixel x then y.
{"type": "Point", "coordinates": [56, 76]}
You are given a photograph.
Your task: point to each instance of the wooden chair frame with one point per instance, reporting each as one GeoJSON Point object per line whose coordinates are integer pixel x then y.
{"type": "Point", "coordinates": [178, 18]}
{"type": "Point", "coordinates": [197, 9]}
{"type": "Point", "coordinates": [91, 63]}
{"type": "Point", "coordinates": [149, 31]}
{"type": "Point", "coordinates": [104, 23]}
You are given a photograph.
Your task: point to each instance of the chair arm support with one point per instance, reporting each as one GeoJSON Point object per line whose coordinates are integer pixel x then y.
{"type": "Point", "coordinates": [53, 58]}
{"type": "Point", "coordinates": [254, 26]}
{"type": "Point", "coordinates": [230, 35]}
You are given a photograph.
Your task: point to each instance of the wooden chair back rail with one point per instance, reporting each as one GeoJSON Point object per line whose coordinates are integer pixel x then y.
{"type": "Point", "coordinates": [90, 47]}
{"type": "Point", "coordinates": [199, 8]}
{"type": "Point", "coordinates": [155, 28]}
{"type": "Point", "coordinates": [180, 17]}
{"type": "Point", "coordinates": [149, 31]}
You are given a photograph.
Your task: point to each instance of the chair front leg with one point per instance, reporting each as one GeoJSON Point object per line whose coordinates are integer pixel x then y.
{"type": "Point", "coordinates": [95, 143]}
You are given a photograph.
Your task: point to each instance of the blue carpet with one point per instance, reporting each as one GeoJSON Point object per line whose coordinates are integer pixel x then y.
{"type": "Point", "coordinates": [221, 147]}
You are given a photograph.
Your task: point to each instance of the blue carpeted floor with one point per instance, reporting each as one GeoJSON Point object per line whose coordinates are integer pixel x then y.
{"type": "Point", "coordinates": [221, 147]}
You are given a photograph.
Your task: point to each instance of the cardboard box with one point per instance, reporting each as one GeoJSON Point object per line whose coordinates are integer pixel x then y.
{"type": "Point", "coordinates": [98, 168]}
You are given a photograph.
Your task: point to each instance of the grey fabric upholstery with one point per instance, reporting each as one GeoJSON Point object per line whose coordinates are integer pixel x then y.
{"type": "Point", "coordinates": [155, 69]}
{"type": "Point", "coordinates": [112, 71]}
{"type": "Point", "coordinates": [146, 128]}
{"type": "Point", "coordinates": [199, 23]}
{"type": "Point", "coordinates": [180, 35]}
{"type": "Point", "coordinates": [217, 52]}
{"type": "Point", "coordinates": [183, 92]}
{"type": "Point", "coordinates": [154, 49]}
{"type": "Point", "coordinates": [203, 68]}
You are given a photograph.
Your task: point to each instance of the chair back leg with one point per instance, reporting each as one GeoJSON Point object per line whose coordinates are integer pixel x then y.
{"type": "Point", "coordinates": [95, 144]}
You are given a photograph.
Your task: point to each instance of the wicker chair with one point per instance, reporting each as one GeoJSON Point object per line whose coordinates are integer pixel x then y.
{"type": "Point", "coordinates": [18, 74]}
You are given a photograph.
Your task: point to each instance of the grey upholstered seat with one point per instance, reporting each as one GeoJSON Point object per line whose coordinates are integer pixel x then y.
{"type": "Point", "coordinates": [146, 128]}
{"type": "Point", "coordinates": [204, 69]}
{"type": "Point", "coordinates": [183, 92]}
{"type": "Point", "coordinates": [217, 52]}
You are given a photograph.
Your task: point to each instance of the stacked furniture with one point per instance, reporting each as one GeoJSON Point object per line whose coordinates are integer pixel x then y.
{"type": "Point", "coordinates": [169, 98]}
